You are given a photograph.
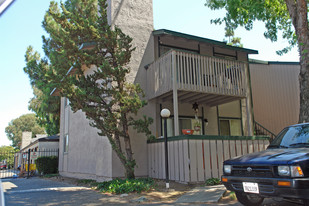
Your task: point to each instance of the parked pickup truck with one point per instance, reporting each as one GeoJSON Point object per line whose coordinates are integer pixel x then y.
{"type": "Point", "coordinates": [282, 170]}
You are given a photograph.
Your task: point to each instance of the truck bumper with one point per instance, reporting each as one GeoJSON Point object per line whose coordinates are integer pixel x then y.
{"type": "Point", "coordinates": [268, 187]}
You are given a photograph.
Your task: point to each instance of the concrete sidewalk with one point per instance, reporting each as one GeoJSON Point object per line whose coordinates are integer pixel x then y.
{"type": "Point", "coordinates": [209, 194]}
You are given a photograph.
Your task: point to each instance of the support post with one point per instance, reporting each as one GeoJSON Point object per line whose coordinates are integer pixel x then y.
{"type": "Point", "coordinates": [165, 113]}
{"type": "Point", "coordinates": [166, 155]}
{"type": "Point", "coordinates": [175, 94]}
{"type": "Point", "coordinates": [28, 169]}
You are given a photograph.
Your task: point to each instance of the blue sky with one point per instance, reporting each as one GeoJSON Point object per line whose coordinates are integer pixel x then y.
{"type": "Point", "coordinates": [21, 26]}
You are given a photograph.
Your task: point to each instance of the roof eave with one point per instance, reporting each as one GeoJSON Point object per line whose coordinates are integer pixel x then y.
{"type": "Point", "coordinates": [201, 39]}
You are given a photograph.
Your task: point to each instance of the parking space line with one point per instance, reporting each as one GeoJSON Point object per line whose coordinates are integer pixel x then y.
{"type": "Point", "coordinates": [50, 189]}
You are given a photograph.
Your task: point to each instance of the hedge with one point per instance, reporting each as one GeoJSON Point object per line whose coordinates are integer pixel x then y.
{"type": "Point", "coordinates": [47, 164]}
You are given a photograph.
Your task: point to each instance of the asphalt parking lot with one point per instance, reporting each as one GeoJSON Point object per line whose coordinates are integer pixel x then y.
{"type": "Point", "coordinates": [44, 192]}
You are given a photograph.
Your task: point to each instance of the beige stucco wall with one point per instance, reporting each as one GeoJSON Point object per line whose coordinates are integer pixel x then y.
{"type": "Point", "coordinates": [231, 109]}
{"type": "Point", "coordinates": [135, 18]}
{"type": "Point", "coordinates": [25, 139]}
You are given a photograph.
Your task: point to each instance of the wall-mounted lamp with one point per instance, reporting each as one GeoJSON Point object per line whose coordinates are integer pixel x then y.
{"type": "Point", "coordinates": [195, 107]}
{"type": "Point", "coordinates": [206, 122]}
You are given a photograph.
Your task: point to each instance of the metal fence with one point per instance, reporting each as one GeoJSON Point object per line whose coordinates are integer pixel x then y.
{"type": "Point", "coordinates": [22, 164]}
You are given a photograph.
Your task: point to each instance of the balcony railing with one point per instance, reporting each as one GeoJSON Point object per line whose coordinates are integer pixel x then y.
{"type": "Point", "coordinates": [193, 72]}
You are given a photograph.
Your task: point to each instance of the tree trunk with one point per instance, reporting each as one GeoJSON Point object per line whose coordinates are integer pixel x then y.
{"type": "Point", "coordinates": [298, 13]}
{"type": "Point", "coordinates": [127, 143]}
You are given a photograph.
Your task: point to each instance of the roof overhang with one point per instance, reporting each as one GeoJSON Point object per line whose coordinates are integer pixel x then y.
{"type": "Point", "coordinates": [209, 99]}
{"type": "Point", "coordinates": [162, 32]}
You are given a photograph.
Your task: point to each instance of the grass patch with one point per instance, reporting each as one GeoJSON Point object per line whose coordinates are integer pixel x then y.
{"type": "Point", "coordinates": [233, 196]}
{"type": "Point", "coordinates": [119, 186]}
{"type": "Point", "coordinates": [212, 181]}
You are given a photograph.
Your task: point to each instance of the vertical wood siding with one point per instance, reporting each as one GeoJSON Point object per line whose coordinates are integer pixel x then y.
{"type": "Point", "coordinates": [196, 160]}
{"type": "Point", "coordinates": [275, 93]}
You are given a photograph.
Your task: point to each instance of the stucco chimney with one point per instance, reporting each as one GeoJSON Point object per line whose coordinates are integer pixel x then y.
{"type": "Point", "coordinates": [25, 139]}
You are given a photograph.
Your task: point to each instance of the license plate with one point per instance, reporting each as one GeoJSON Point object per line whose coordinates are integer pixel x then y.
{"type": "Point", "coordinates": [251, 187]}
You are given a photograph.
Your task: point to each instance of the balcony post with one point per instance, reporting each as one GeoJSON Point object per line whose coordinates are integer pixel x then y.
{"type": "Point", "coordinates": [175, 94]}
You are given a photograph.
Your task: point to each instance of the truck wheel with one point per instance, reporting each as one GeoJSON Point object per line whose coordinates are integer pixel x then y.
{"type": "Point", "coordinates": [249, 199]}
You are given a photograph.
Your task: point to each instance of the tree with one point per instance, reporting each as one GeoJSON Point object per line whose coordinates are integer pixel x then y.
{"type": "Point", "coordinates": [278, 15]}
{"type": "Point", "coordinates": [103, 93]}
{"type": "Point", "coordinates": [45, 106]}
{"type": "Point", "coordinates": [25, 123]}
{"type": "Point", "coordinates": [232, 40]}
{"type": "Point", "coordinates": [7, 155]}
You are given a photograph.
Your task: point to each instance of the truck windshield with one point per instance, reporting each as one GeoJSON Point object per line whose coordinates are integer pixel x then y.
{"type": "Point", "coordinates": [294, 136]}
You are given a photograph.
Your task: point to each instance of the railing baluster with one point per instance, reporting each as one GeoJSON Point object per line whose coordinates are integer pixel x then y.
{"type": "Point", "coordinates": [211, 70]}
{"type": "Point", "coordinates": [196, 73]}
{"type": "Point", "coordinates": [188, 73]}
{"type": "Point", "coordinates": [182, 69]}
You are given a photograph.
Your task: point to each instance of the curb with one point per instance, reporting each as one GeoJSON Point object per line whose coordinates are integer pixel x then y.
{"type": "Point", "coordinates": [2, 203]}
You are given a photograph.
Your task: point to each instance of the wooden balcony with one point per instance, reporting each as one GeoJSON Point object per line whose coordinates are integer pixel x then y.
{"type": "Point", "coordinates": [209, 80]}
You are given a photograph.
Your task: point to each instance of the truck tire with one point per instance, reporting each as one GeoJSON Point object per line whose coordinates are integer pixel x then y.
{"type": "Point", "coordinates": [249, 199]}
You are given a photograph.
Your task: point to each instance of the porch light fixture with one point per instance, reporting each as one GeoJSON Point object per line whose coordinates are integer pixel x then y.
{"type": "Point", "coordinates": [165, 113]}
{"type": "Point", "coordinates": [195, 107]}
{"type": "Point", "coordinates": [206, 122]}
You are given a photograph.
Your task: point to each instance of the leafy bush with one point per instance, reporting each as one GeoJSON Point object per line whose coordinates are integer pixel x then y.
{"type": "Point", "coordinates": [47, 164]}
{"type": "Point", "coordinates": [120, 186]}
{"type": "Point", "coordinates": [213, 181]}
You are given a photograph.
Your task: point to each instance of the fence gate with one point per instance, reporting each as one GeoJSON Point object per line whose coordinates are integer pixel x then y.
{"type": "Point", "coordinates": [22, 164]}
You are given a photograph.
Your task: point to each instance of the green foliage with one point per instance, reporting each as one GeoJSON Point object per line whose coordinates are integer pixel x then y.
{"type": "Point", "coordinates": [289, 18]}
{"type": "Point", "coordinates": [45, 106]}
{"type": "Point", "coordinates": [7, 155]}
{"type": "Point", "coordinates": [233, 196]}
{"type": "Point", "coordinates": [47, 164]}
{"type": "Point", "coordinates": [25, 123]}
{"type": "Point", "coordinates": [107, 98]}
{"type": "Point", "coordinates": [213, 181]}
{"type": "Point", "coordinates": [244, 12]}
{"type": "Point", "coordinates": [119, 186]}
{"type": "Point", "coordinates": [232, 40]}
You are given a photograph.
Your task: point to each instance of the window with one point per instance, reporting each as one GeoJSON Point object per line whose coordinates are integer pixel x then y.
{"type": "Point", "coordinates": [230, 127]}
{"type": "Point", "coordinates": [184, 123]}
{"type": "Point", "coordinates": [66, 143]}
